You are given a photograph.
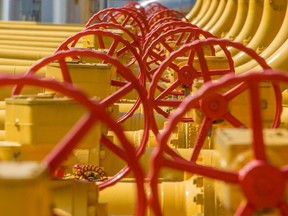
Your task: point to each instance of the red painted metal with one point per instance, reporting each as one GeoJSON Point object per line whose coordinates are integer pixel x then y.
{"type": "Point", "coordinates": [95, 113]}
{"type": "Point", "coordinates": [83, 171]}
{"type": "Point", "coordinates": [157, 50]}
{"type": "Point", "coordinates": [164, 20]}
{"type": "Point", "coordinates": [163, 28]}
{"type": "Point", "coordinates": [129, 85]}
{"type": "Point", "coordinates": [166, 13]}
{"type": "Point", "coordinates": [153, 7]}
{"type": "Point", "coordinates": [120, 16]}
{"type": "Point", "coordinates": [137, 6]}
{"type": "Point", "coordinates": [186, 74]}
{"type": "Point", "coordinates": [127, 48]}
{"type": "Point", "coordinates": [257, 173]}
{"type": "Point", "coordinates": [101, 26]}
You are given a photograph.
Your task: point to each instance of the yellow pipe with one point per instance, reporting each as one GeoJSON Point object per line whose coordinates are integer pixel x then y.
{"type": "Point", "coordinates": [218, 13]}
{"type": "Point", "coordinates": [195, 10]}
{"type": "Point", "coordinates": [279, 59]}
{"type": "Point", "coordinates": [177, 196]}
{"type": "Point", "coordinates": [23, 54]}
{"type": "Point", "coordinates": [11, 69]}
{"type": "Point", "coordinates": [31, 38]}
{"type": "Point", "coordinates": [226, 20]}
{"type": "Point", "coordinates": [203, 10]}
{"type": "Point", "coordinates": [242, 10]}
{"type": "Point", "coordinates": [272, 19]}
{"type": "Point", "coordinates": [279, 40]}
{"type": "Point", "coordinates": [209, 14]}
{"type": "Point", "coordinates": [30, 43]}
{"type": "Point", "coordinates": [35, 33]}
{"type": "Point", "coordinates": [40, 26]}
{"type": "Point", "coordinates": [27, 48]}
{"type": "Point", "coordinates": [16, 62]}
{"type": "Point", "coordinates": [254, 15]}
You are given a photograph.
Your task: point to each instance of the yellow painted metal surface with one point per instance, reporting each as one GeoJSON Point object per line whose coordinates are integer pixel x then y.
{"type": "Point", "coordinates": [25, 189]}
{"type": "Point", "coordinates": [235, 151]}
{"type": "Point", "coordinates": [43, 120]}
{"type": "Point", "coordinates": [92, 78]}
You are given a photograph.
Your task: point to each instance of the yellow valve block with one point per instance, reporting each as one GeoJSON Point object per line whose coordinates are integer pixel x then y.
{"type": "Point", "coordinates": [35, 124]}
{"type": "Point", "coordinates": [234, 150]}
{"type": "Point", "coordinates": [239, 106]}
{"type": "Point", "coordinates": [92, 78]}
{"type": "Point", "coordinates": [213, 62]}
{"type": "Point", "coordinates": [24, 189]}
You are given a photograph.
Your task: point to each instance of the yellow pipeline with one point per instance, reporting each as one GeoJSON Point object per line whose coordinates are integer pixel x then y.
{"type": "Point", "coordinates": [272, 49]}
{"type": "Point", "coordinates": [272, 19]}
{"type": "Point", "coordinates": [203, 10]}
{"type": "Point", "coordinates": [35, 33]}
{"type": "Point", "coordinates": [16, 62]}
{"type": "Point", "coordinates": [254, 15]}
{"type": "Point", "coordinates": [31, 38]}
{"type": "Point", "coordinates": [218, 13]}
{"type": "Point", "coordinates": [27, 48]}
{"type": "Point", "coordinates": [39, 26]}
{"type": "Point", "coordinates": [30, 43]}
{"type": "Point", "coordinates": [226, 20]}
{"type": "Point", "coordinates": [209, 14]}
{"type": "Point", "coordinates": [177, 196]}
{"type": "Point", "coordinates": [23, 54]}
{"type": "Point", "coordinates": [242, 10]}
{"type": "Point", "coordinates": [279, 59]}
{"type": "Point", "coordinates": [11, 69]}
{"type": "Point", "coordinates": [195, 10]}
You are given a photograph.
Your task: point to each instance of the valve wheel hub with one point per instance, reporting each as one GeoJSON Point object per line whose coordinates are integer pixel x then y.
{"type": "Point", "coordinates": [262, 184]}
{"type": "Point", "coordinates": [215, 106]}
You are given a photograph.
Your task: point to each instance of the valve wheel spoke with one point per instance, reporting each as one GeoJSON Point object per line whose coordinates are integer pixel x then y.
{"type": "Point", "coordinates": [258, 142]}
{"type": "Point", "coordinates": [201, 137]}
{"type": "Point", "coordinates": [168, 90]}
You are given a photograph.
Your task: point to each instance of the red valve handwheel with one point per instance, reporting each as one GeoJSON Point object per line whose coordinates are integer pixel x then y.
{"type": "Point", "coordinates": [186, 73]}
{"type": "Point", "coordinates": [140, 16]}
{"type": "Point", "coordinates": [118, 47]}
{"type": "Point", "coordinates": [137, 6]}
{"type": "Point", "coordinates": [132, 38]}
{"type": "Point", "coordinates": [258, 172]}
{"type": "Point", "coordinates": [96, 112]}
{"type": "Point", "coordinates": [164, 28]}
{"type": "Point", "coordinates": [165, 20]}
{"type": "Point", "coordinates": [126, 87]}
{"type": "Point", "coordinates": [130, 83]}
{"type": "Point", "coordinates": [156, 51]}
{"type": "Point", "coordinates": [120, 16]}
{"type": "Point", "coordinates": [126, 49]}
{"type": "Point", "coordinates": [153, 7]}
{"type": "Point", "coordinates": [166, 13]}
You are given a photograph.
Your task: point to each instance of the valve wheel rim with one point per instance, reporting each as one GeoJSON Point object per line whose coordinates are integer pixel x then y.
{"type": "Point", "coordinates": [134, 43]}
{"type": "Point", "coordinates": [112, 14]}
{"type": "Point", "coordinates": [95, 113]}
{"type": "Point", "coordinates": [204, 73]}
{"type": "Point", "coordinates": [112, 49]}
{"type": "Point", "coordinates": [134, 84]}
{"type": "Point", "coordinates": [246, 176]}
{"type": "Point", "coordinates": [163, 28]}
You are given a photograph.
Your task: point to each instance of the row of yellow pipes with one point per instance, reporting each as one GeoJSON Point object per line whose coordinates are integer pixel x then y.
{"type": "Point", "coordinates": [261, 25]}
{"type": "Point", "coordinates": [23, 43]}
